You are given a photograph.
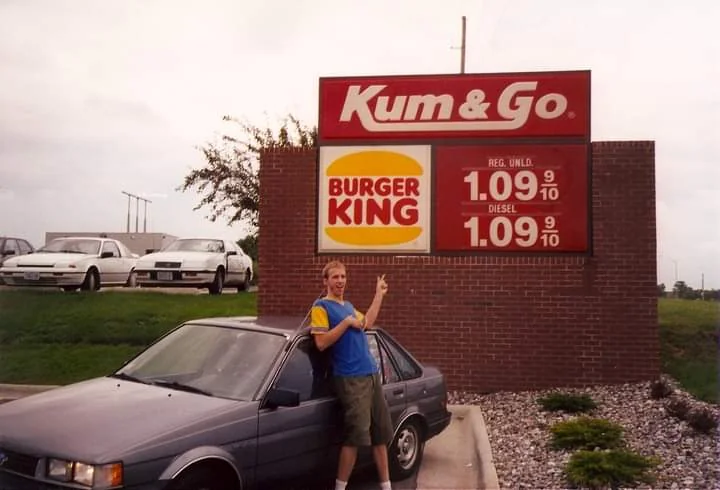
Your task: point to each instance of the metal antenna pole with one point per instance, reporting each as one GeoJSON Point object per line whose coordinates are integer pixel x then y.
{"type": "Point", "coordinates": [145, 202]}
{"type": "Point", "coordinates": [462, 48]}
{"type": "Point", "coordinates": [127, 229]}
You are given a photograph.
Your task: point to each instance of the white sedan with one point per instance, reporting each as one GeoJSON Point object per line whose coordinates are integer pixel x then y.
{"type": "Point", "coordinates": [199, 263]}
{"type": "Point", "coordinates": [74, 262]}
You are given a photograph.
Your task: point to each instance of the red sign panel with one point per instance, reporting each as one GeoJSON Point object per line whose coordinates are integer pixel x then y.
{"type": "Point", "coordinates": [422, 107]}
{"type": "Point", "coordinates": [531, 198]}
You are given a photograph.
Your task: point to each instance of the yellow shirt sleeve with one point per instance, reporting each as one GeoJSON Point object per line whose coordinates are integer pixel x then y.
{"type": "Point", "coordinates": [319, 322]}
{"type": "Point", "coordinates": [360, 315]}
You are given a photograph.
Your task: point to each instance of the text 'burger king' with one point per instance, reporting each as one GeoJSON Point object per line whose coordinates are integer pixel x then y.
{"type": "Point", "coordinates": [374, 198]}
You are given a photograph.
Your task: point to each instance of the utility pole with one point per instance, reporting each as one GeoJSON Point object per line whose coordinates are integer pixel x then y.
{"type": "Point", "coordinates": [137, 211]}
{"type": "Point", "coordinates": [128, 215]}
{"type": "Point", "coordinates": [462, 47]}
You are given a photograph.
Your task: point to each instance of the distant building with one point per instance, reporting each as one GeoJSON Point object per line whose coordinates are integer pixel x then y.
{"type": "Point", "coordinates": [139, 243]}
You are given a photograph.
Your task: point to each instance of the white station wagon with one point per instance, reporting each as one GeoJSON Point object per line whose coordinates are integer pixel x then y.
{"type": "Point", "coordinates": [73, 262]}
{"type": "Point", "coordinates": [197, 263]}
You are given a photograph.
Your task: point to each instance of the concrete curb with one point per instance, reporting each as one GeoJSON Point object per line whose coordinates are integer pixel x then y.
{"type": "Point", "coordinates": [483, 451]}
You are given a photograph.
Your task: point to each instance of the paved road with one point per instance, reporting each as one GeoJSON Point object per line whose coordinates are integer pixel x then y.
{"type": "Point", "coordinates": [360, 480]}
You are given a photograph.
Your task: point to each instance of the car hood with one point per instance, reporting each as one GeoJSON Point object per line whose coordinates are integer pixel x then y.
{"type": "Point", "coordinates": [179, 256]}
{"type": "Point", "coordinates": [102, 419]}
{"type": "Point", "coordinates": [46, 259]}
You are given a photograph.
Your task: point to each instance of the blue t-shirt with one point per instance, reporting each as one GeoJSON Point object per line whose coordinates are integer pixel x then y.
{"type": "Point", "coordinates": [351, 353]}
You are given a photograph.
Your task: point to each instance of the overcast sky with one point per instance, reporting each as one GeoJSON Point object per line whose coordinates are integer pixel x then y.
{"type": "Point", "coordinates": [97, 97]}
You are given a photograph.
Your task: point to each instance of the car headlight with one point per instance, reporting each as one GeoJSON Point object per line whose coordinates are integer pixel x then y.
{"type": "Point", "coordinates": [92, 476]}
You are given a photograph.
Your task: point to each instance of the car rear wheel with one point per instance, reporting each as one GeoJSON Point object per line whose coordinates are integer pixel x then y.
{"type": "Point", "coordinates": [132, 280]}
{"type": "Point", "coordinates": [246, 282]}
{"type": "Point", "coordinates": [406, 450]}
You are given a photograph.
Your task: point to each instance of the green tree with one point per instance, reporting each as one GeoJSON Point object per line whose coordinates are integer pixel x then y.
{"type": "Point", "coordinates": [229, 182]}
{"type": "Point", "coordinates": [249, 245]}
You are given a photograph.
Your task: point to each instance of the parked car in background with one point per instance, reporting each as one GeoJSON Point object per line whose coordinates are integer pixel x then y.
{"type": "Point", "coordinates": [13, 247]}
{"type": "Point", "coordinates": [73, 262]}
{"type": "Point", "coordinates": [197, 263]}
{"type": "Point", "coordinates": [216, 404]}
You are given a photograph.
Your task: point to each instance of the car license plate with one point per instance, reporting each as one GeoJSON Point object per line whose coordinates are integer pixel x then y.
{"type": "Point", "coordinates": [165, 276]}
{"type": "Point", "coordinates": [32, 276]}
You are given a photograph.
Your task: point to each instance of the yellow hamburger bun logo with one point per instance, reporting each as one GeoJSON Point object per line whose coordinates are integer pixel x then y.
{"type": "Point", "coordinates": [373, 198]}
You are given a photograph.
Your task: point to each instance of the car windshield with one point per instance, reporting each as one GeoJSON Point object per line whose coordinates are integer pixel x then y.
{"type": "Point", "coordinates": [195, 245]}
{"type": "Point", "coordinates": [73, 245]}
{"type": "Point", "coordinates": [219, 361]}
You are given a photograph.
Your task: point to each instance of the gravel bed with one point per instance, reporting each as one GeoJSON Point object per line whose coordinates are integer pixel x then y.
{"type": "Point", "coordinates": [519, 435]}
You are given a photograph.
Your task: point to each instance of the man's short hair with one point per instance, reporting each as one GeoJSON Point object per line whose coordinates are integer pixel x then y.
{"type": "Point", "coordinates": [333, 264]}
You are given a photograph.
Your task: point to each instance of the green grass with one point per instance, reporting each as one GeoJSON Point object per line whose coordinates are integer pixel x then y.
{"type": "Point", "coordinates": [49, 337]}
{"type": "Point", "coordinates": [689, 345]}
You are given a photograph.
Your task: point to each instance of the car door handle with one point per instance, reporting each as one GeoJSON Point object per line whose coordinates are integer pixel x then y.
{"type": "Point", "coordinates": [398, 391]}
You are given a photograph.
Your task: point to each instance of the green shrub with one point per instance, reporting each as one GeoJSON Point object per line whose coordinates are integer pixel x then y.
{"type": "Point", "coordinates": [678, 408]}
{"type": "Point", "coordinates": [613, 469]}
{"type": "Point", "coordinates": [660, 389]}
{"type": "Point", "coordinates": [702, 420]}
{"type": "Point", "coordinates": [586, 433]}
{"type": "Point", "coordinates": [567, 402]}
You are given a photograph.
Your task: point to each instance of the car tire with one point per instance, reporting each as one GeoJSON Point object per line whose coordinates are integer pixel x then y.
{"type": "Point", "coordinates": [92, 281]}
{"type": "Point", "coordinates": [406, 450]}
{"type": "Point", "coordinates": [217, 285]}
{"type": "Point", "coordinates": [198, 479]}
{"type": "Point", "coordinates": [246, 282]}
{"type": "Point", "coordinates": [132, 281]}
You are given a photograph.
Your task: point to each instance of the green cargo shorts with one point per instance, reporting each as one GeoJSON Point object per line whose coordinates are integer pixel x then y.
{"type": "Point", "coordinates": [365, 412]}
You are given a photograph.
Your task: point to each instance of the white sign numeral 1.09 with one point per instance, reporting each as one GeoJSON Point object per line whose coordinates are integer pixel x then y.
{"type": "Point", "coordinates": [524, 232]}
{"type": "Point", "coordinates": [501, 185]}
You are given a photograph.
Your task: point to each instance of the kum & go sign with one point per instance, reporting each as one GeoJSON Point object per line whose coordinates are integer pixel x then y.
{"type": "Point", "coordinates": [405, 158]}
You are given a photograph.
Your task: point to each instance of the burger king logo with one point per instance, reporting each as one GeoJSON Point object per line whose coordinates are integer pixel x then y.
{"type": "Point", "coordinates": [374, 198]}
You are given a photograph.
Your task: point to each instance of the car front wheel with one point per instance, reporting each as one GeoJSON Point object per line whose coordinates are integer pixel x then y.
{"type": "Point", "coordinates": [217, 285]}
{"type": "Point", "coordinates": [406, 450]}
{"type": "Point", "coordinates": [201, 479]}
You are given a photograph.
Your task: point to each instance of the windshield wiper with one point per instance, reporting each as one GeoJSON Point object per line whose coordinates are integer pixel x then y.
{"type": "Point", "coordinates": [128, 377]}
{"type": "Point", "coordinates": [180, 386]}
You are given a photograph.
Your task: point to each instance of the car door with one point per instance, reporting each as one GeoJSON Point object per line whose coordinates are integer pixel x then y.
{"type": "Point", "coordinates": [294, 441]}
{"type": "Point", "coordinates": [235, 263]}
{"type": "Point", "coordinates": [395, 395]}
{"type": "Point", "coordinates": [112, 269]}
{"type": "Point", "coordinates": [10, 249]}
{"type": "Point", "coordinates": [394, 387]}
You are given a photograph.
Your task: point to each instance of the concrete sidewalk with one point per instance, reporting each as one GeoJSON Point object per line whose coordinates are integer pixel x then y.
{"type": "Point", "coordinates": [460, 458]}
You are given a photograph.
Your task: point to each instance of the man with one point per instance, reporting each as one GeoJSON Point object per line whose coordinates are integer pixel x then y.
{"type": "Point", "coordinates": [336, 324]}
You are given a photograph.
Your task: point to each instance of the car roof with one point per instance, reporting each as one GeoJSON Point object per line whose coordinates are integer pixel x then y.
{"type": "Point", "coordinates": [83, 238]}
{"type": "Point", "coordinates": [284, 325]}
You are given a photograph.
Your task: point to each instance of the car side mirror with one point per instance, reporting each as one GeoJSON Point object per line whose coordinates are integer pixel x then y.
{"type": "Point", "coordinates": [106, 255]}
{"type": "Point", "coordinates": [280, 397]}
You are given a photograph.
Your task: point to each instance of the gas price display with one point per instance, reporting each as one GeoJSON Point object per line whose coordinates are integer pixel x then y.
{"type": "Point", "coordinates": [521, 198]}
